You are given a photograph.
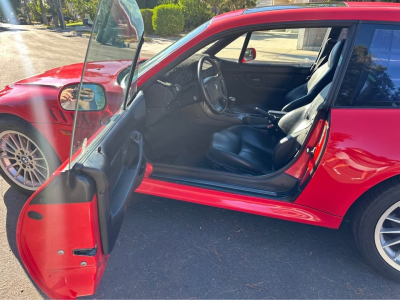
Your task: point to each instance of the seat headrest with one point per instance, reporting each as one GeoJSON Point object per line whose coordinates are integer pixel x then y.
{"type": "Point", "coordinates": [334, 56]}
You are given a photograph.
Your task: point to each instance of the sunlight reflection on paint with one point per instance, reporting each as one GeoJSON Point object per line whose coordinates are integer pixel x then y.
{"type": "Point", "coordinates": [37, 103]}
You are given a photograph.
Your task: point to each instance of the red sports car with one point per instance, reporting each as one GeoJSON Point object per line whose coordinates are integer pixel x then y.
{"type": "Point", "coordinates": [285, 111]}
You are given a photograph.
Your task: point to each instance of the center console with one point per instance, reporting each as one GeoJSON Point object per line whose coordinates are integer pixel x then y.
{"type": "Point", "coordinates": [259, 118]}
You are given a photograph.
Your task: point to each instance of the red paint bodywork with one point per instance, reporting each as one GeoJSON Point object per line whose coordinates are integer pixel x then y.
{"type": "Point", "coordinates": [360, 153]}
{"type": "Point", "coordinates": [61, 276]}
{"type": "Point", "coordinates": [35, 99]}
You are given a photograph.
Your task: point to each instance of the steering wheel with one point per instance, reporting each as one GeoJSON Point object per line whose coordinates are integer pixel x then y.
{"type": "Point", "coordinates": [213, 88]}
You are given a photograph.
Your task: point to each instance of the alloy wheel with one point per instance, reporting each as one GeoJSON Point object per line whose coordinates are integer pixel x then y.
{"type": "Point", "coordinates": [387, 236]}
{"type": "Point", "coordinates": [22, 160]}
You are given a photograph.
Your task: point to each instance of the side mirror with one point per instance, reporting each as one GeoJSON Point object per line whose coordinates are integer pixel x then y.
{"type": "Point", "coordinates": [92, 97]}
{"type": "Point", "coordinates": [249, 55]}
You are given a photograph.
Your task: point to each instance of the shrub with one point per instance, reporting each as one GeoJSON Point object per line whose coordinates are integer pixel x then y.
{"type": "Point", "coordinates": [167, 2]}
{"type": "Point", "coordinates": [147, 3]}
{"type": "Point", "coordinates": [195, 12]}
{"type": "Point", "coordinates": [147, 15]}
{"type": "Point", "coordinates": [168, 19]}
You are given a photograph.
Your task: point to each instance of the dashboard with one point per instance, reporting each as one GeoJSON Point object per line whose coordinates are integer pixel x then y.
{"type": "Point", "coordinates": [175, 89]}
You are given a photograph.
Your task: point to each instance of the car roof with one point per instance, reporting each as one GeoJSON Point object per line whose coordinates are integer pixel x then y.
{"type": "Point", "coordinates": [322, 4]}
{"type": "Point", "coordinates": [293, 6]}
{"type": "Point", "coordinates": [373, 4]}
{"type": "Point", "coordinates": [341, 11]}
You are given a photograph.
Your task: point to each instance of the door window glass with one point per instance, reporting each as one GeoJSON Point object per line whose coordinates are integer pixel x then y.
{"type": "Point", "coordinates": [232, 51]}
{"type": "Point", "coordinates": [299, 46]}
{"type": "Point", "coordinates": [109, 66]}
{"type": "Point", "coordinates": [373, 75]}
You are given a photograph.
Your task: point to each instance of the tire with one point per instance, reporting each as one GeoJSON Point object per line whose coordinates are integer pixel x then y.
{"type": "Point", "coordinates": [371, 213]}
{"type": "Point", "coordinates": [43, 160]}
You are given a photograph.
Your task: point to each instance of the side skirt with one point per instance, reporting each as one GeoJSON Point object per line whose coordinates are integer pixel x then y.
{"type": "Point", "coordinates": [248, 204]}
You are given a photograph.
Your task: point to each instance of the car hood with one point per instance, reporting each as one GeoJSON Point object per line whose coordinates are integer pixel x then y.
{"type": "Point", "coordinates": [99, 72]}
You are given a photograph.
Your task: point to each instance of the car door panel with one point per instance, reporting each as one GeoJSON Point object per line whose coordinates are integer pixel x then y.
{"type": "Point", "coordinates": [68, 228]}
{"type": "Point", "coordinates": [49, 232]}
{"type": "Point", "coordinates": [117, 168]}
{"type": "Point", "coordinates": [264, 85]}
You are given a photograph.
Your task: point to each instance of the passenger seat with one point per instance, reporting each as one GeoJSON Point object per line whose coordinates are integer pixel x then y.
{"type": "Point", "coordinates": [305, 93]}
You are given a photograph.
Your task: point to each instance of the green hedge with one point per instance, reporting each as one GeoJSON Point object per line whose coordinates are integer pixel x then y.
{"type": "Point", "coordinates": [147, 15]}
{"type": "Point", "coordinates": [195, 13]}
{"type": "Point", "coordinates": [168, 19]}
{"type": "Point", "coordinates": [147, 3]}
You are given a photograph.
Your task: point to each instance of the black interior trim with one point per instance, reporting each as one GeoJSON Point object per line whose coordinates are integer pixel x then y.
{"type": "Point", "coordinates": [133, 70]}
{"type": "Point", "coordinates": [279, 185]}
{"type": "Point", "coordinates": [288, 196]}
{"type": "Point", "coordinates": [68, 187]}
{"type": "Point", "coordinates": [341, 70]}
{"type": "Point", "coordinates": [116, 166]}
{"type": "Point", "coordinates": [244, 47]}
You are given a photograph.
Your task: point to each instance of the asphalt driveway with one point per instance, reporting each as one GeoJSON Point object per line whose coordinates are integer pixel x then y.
{"type": "Point", "coordinates": [173, 249]}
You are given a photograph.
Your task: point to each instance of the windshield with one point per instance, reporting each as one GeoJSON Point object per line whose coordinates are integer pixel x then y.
{"type": "Point", "coordinates": [114, 46]}
{"type": "Point", "coordinates": [144, 67]}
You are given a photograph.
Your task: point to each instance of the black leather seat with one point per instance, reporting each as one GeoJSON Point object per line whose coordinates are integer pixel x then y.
{"type": "Point", "coordinates": [306, 92]}
{"type": "Point", "coordinates": [245, 149]}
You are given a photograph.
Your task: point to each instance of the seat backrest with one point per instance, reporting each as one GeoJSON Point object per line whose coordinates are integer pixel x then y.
{"type": "Point", "coordinates": [296, 125]}
{"type": "Point", "coordinates": [305, 93]}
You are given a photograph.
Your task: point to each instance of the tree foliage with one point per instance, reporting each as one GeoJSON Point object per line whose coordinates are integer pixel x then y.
{"type": "Point", "coordinates": [85, 7]}
{"type": "Point", "coordinates": [378, 85]}
{"type": "Point", "coordinates": [222, 6]}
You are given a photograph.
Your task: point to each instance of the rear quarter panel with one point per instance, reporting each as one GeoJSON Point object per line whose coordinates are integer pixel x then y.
{"type": "Point", "coordinates": [363, 150]}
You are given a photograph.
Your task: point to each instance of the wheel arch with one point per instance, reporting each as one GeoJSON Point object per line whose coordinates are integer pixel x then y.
{"type": "Point", "coordinates": [395, 179]}
{"type": "Point", "coordinates": [19, 119]}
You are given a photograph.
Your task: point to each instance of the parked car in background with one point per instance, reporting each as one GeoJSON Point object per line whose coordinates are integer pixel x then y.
{"type": "Point", "coordinates": [22, 21]}
{"type": "Point", "coordinates": [285, 112]}
{"type": "Point", "coordinates": [67, 19]}
{"type": "Point", "coordinates": [87, 22]}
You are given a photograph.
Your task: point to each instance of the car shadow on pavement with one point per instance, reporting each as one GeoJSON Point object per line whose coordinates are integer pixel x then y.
{"type": "Point", "coordinates": [11, 29]}
{"type": "Point", "coordinates": [14, 202]}
{"type": "Point", "coordinates": [173, 249]}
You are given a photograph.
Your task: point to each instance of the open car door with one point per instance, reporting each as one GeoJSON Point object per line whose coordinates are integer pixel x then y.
{"type": "Point", "coordinates": [67, 229]}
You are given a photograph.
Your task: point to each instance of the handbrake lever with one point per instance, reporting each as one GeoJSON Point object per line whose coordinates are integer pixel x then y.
{"type": "Point", "coordinates": [271, 118]}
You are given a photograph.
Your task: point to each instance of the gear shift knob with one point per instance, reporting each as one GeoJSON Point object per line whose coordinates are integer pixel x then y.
{"type": "Point", "coordinates": [231, 103]}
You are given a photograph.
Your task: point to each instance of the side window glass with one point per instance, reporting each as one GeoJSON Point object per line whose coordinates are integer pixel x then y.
{"type": "Point", "coordinates": [373, 75]}
{"type": "Point", "coordinates": [232, 51]}
{"type": "Point", "coordinates": [298, 46]}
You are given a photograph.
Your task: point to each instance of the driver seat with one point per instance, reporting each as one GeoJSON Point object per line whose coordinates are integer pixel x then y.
{"type": "Point", "coordinates": [244, 149]}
